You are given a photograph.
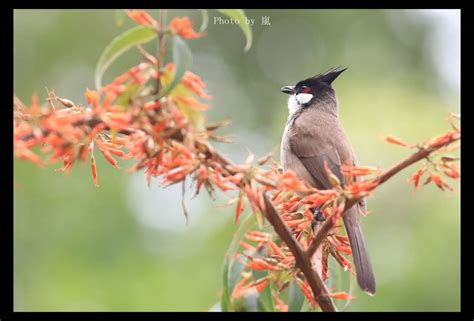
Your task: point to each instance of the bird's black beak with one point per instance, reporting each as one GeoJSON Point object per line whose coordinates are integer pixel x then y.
{"type": "Point", "coordinates": [288, 89]}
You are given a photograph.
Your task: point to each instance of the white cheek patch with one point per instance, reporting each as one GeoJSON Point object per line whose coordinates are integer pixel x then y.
{"type": "Point", "coordinates": [303, 98]}
{"type": "Point", "coordinates": [293, 105]}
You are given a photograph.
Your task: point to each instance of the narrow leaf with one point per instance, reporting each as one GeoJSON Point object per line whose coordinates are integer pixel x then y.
{"type": "Point", "coordinates": [229, 269]}
{"type": "Point", "coordinates": [205, 19]}
{"type": "Point", "coordinates": [239, 15]}
{"type": "Point", "coordinates": [183, 60]}
{"type": "Point", "coordinates": [265, 298]}
{"type": "Point", "coordinates": [120, 44]}
{"type": "Point", "coordinates": [295, 298]}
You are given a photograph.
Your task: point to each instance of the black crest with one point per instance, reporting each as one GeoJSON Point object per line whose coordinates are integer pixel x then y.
{"type": "Point", "coordinates": [323, 80]}
{"type": "Point", "coordinates": [330, 75]}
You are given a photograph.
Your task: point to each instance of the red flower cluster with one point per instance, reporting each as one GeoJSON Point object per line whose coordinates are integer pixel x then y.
{"type": "Point", "coordinates": [184, 27]}
{"type": "Point", "coordinates": [141, 17]}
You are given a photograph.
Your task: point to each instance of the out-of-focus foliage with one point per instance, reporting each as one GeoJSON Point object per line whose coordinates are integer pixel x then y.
{"type": "Point", "coordinates": [124, 247]}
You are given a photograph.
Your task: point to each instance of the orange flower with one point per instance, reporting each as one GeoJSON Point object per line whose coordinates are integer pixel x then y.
{"type": "Point", "coordinates": [109, 158]}
{"type": "Point", "coordinates": [444, 139]}
{"type": "Point", "coordinates": [109, 98]}
{"type": "Point", "coordinates": [28, 154]}
{"type": "Point", "coordinates": [319, 198]}
{"type": "Point", "coordinates": [290, 181]}
{"type": "Point", "coordinates": [362, 188]}
{"type": "Point", "coordinates": [184, 28]}
{"type": "Point", "coordinates": [397, 141]}
{"type": "Point", "coordinates": [251, 236]}
{"type": "Point", "coordinates": [439, 181]}
{"type": "Point", "coordinates": [92, 97]}
{"type": "Point", "coordinates": [324, 263]}
{"type": "Point", "coordinates": [191, 102]}
{"type": "Point", "coordinates": [276, 249]}
{"type": "Point", "coordinates": [240, 206]}
{"type": "Point", "coordinates": [343, 239]}
{"type": "Point", "coordinates": [340, 247]}
{"type": "Point", "coordinates": [340, 295]}
{"type": "Point", "coordinates": [247, 246]}
{"type": "Point", "coordinates": [94, 171]}
{"type": "Point", "coordinates": [34, 108]}
{"type": "Point", "coordinates": [450, 172]}
{"type": "Point", "coordinates": [141, 17]}
{"type": "Point", "coordinates": [305, 288]}
{"type": "Point", "coordinates": [341, 259]}
{"type": "Point", "coordinates": [152, 105]}
{"type": "Point", "coordinates": [358, 170]}
{"type": "Point", "coordinates": [415, 178]}
{"type": "Point", "coordinates": [241, 288]}
{"type": "Point", "coordinates": [259, 264]}
{"type": "Point", "coordinates": [121, 79]}
{"type": "Point", "coordinates": [193, 82]}
{"type": "Point", "coordinates": [261, 284]}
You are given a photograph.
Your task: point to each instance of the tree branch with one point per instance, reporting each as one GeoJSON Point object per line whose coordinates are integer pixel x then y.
{"type": "Point", "coordinates": [303, 261]}
{"type": "Point", "coordinates": [328, 224]}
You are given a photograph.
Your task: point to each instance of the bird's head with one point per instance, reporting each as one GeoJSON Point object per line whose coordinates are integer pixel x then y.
{"type": "Point", "coordinates": [306, 91]}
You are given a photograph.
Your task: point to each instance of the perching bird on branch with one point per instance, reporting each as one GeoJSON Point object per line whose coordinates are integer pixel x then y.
{"type": "Point", "coordinates": [314, 135]}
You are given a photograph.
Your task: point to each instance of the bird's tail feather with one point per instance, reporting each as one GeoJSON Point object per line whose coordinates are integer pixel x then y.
{"type": "Point", "coordinates": [365, 275]}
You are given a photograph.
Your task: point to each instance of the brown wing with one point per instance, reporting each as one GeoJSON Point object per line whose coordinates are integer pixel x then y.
{"type": "Point", "coordinates": [313, 155]}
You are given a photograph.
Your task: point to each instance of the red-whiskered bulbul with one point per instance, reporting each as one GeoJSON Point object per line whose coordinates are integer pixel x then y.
{"type": "Point", "coordinates": [313, 134]}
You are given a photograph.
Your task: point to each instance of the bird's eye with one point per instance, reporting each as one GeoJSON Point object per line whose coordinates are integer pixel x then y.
{"type": "Point", "coordinates": [305, 89]}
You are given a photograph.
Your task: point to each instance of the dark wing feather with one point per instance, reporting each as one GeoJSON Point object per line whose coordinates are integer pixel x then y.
{"type": "Point", "coordinates": [313, 157]}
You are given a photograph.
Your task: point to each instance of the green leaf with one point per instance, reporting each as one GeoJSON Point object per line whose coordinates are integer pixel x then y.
{"type": "Point", "coordinates": [295, 297]}
{"type": "Point", "coordinates": [182, 59]}
{"type": "Point", "coordinates": [120, 44]}
{"type": "Point", "coordinates": [265, 298]}
{"type": "Point", "coordinates": [119, 17]}
{"type": "Point", "coordinates": [229, 276]}
{"type": "Point", "coordinates": [239, 15]}
{"type": "Point", "coordinates": [130, 90]}
{"type": "Point", "coordinates": [205, 19]}
{"type": "Point", "coordinates": [250, 304]}
{"type": "Point", "coordinates": [260, 219]}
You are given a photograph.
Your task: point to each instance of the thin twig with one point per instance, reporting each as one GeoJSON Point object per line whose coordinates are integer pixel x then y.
{"type": "Point", "coordinates": [160, 50]}
{"type": "Point", "coordinates": [148, 57]}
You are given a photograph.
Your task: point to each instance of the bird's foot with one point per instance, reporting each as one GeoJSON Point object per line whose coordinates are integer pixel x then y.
{"type": "Point", "coordinates": [317, 216]}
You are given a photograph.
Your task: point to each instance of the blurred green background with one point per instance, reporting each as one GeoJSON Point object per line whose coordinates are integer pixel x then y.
{"type": "Point", "coordinates": [124, 247]}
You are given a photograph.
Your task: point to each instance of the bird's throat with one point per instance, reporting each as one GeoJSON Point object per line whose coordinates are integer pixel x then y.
{"type": "Point", "coordinates": [298, 101]}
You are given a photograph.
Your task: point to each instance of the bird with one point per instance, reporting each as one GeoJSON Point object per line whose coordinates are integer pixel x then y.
{"type": "Point", "coordinates": [313, 137]}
